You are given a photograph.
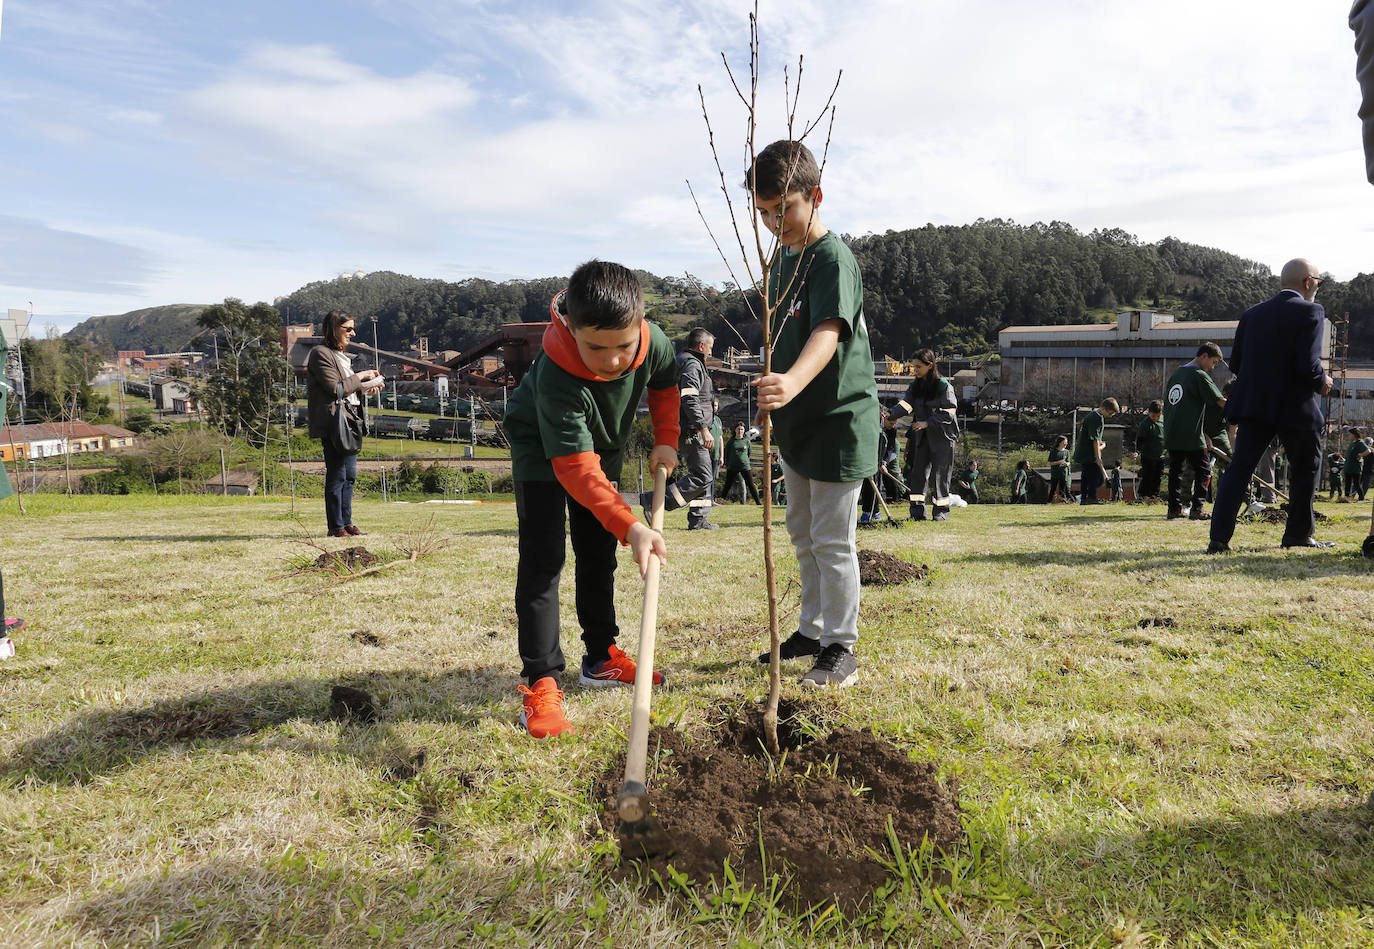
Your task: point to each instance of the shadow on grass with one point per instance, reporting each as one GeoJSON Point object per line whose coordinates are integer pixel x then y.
{"type": "Point", "coordinates": [1296, 564]}
{"type": "Point", "coordinates": [1263, 879]}
{"type": "Point", "coordinates": [299, 898]}
{"type": "Point", "coordinates": [108, 740]}
{"type": "Point", "coordinates": [1247, 876]}
{"type": "Point", "coordinates": [192, 538]}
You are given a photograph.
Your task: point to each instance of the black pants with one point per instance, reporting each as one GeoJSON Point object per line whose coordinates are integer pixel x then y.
{"type": "Point", "coordinates": [734, 474]}
{"type": "Point", "coordinates": [540, 507]}
{"type": "Point", "coordinates": [1303, 448]}
{"type": "Point", "coordinates": [1089, 480]}
{"type": "Point", "coordinates": [868, 498]}
{"type": "Point", "coordinates": [1197, 460]}
{"type": "Point", "coordinates": [1148, 485]}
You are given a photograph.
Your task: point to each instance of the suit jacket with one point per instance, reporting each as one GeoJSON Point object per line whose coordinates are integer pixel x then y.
{"type": "Point", "coordinates": [1362, 22]}
{"type": "Point", "coordinates": [322, 376]}
{"type": "Point", "coordinates": [1277, 361]}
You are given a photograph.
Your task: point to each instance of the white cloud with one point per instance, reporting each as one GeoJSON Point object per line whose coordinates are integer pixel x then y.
{"type": "Point", "coordinates": [36, 256]}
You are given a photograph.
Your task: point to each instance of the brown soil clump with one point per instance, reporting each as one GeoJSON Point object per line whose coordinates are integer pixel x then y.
{"type": "Point", "coordinates": [349, 704]}
{"type": "Point", "coordinates": [354, 558]}
{"type": "Point", "coordinates": [1279, 515]}
{"type": "Point", "coordinates": [818, 810]}
{"type": "Point", "coordinates": [1162, 621]}
{"type": "Point", "coordinates": [876, 567]}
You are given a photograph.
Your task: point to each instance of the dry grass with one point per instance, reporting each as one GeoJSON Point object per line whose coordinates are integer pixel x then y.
{"type": "Point", "coordinates": [172, 774]}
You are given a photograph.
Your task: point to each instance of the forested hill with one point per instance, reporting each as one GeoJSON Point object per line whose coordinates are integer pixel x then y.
{"type": "Point", "coordinates": [950, 287]}
{"type": "Point", "coordinates": [157, 329]}
{"type": "Point", "coordinates": [452, 315]}
{"type": "Point", "coordinates": [953, 287]}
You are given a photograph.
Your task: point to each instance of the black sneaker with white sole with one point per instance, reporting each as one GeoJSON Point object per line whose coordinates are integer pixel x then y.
{"type": "Point", "coordinates": [795, 646]}
{"type": "Point", "coordinates": [836, 667]}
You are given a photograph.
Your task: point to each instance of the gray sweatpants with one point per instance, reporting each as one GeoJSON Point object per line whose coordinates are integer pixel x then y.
{"type": "Point", "coordinates": [822, 518]}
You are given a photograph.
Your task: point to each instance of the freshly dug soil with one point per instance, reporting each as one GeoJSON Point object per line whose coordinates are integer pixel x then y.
{"type": "Point", "coordinates": [876, 567]}
{"type": "Point", "coordinates": [354, 558]}
{"type": "Point", "coordinates": [1279, 515]}
{"type": "Point", "coordinates": [824, 804]}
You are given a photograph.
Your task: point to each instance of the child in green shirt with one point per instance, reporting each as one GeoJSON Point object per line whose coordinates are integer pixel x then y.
{"type": "Point", "coordinates": [1059, 471]}
{"type": "Point", "coordinates": [568, 423]}
{"type": "Point", "coordinates": [822, 400]}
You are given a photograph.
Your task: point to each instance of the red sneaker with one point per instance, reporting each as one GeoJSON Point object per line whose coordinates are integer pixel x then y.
{"type": "Point", "coordinates": [619, 669]}
{"type": "Point", "coordinates": [542, 713]}
{"type": "Point", "coordinates": [13, 624]}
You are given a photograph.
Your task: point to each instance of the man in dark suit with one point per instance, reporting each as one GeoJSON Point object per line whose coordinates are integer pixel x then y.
{"type": "Point", "coordinates": [1362, 22]}
{"type": "Point", "coordinates": [1279, 375]}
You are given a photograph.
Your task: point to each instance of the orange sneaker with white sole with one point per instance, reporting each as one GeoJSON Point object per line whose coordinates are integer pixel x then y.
{"type": "Point", "coordinates": [542, 714]}
{"type": "Point", "coordinates": [619, 669]}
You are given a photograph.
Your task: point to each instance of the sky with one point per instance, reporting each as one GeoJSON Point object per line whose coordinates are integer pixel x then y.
{"type": "Point", "coordinates": [158, 151]}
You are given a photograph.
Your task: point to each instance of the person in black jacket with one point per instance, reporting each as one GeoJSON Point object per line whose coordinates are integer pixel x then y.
{"type": "Point", "coordinates": [697, 446]}
{"type": "Point", "coordinates": [1276, 357]}
{"type": "Point", "coordinates": [930, 441]}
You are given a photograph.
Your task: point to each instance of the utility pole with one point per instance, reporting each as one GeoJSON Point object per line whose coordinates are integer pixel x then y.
{"type": "Point", "coordinates": [376, 358]}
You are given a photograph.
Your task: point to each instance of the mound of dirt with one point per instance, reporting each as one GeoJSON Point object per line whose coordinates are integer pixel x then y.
{"type": "Point", "coordinates": [876, 567]}
{"type": "Point", "coordinates": [1278, 515]}
{"type": "Point", "coordinates": [354, 558]}
{"type": "Point", "coordinates": [818, 809]}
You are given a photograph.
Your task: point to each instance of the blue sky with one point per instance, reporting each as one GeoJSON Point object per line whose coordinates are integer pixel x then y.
{"type": "Point", "coordinates": [172, 152]}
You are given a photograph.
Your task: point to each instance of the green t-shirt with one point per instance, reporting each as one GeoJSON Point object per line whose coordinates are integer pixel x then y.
{"type": "Point", "coordinates": [553, 413]}
{"type": "Point", "coordinates": [1114, 477]}
{"type": "Point", "coordinates": [969, 476]}
{"type": "Point", "coordinates": [1353, 450]}
{"type": "Point", "coordinates": [1089, 434]}
{"type": "Point", "coordinates": [718, 434]}
{"type": "Point", "coordinates": [828, 431]}
{"type": "Point", "coordinates": [1059, 471]}
{"type": "Point", "coordinates": [1185, 407]}
{"type": "Point", "coordinates": [1149, 439]}
{"type": "Point", "coordinates": [737, 454]}
{"type": "Point", "coordinates": [1018, 484]}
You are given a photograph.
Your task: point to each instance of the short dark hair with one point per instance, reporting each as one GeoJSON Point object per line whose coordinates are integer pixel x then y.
{"type": "Point", "coordinates": [698, 336]}
{"type": "Point", "coordinates": [1156, 405]}
{"type": "Point", "coordinates": [329, 329]}
{"type": "Point", "coordinates": [1357, 432]}
{"type": "Point", "coordinates": [1209, 349]}
{"type": "Point", "coordinates": [1111, 405]}
{"type": "Point", "coordinates": [781, 168]}
{"type": "Point", "coordinates": [602, 295]}
{"type": "Point", "coordinates": [1061, 438]}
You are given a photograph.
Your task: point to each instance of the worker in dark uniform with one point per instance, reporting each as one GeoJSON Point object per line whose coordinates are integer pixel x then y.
{"type": "Point", "coordinates": [930, 441]}
{"type": "Point", "coordinates": [697, 443]}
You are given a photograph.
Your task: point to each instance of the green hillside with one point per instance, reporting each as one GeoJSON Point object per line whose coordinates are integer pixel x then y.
{"type": "Point", "coordinates": [157, 329]}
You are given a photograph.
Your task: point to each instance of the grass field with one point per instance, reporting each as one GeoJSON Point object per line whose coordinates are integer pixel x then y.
{"type": "Point", "coordinates": [172, 776]}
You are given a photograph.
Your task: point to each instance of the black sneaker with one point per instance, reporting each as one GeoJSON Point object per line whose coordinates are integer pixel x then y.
{"type": "Point", "coordinates": [1367, 548]}
{"type": "Point", "coordinates": [795, 646]}
{"type": "Point", "coordinates": [836, 666]}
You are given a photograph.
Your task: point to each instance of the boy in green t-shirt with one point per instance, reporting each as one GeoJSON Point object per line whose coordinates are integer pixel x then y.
{"type": "Point", "coordinates": [1149, 442]}
{"type": "Point", "coordinates": [822, 400]}
{"type": "Point", "coordinates": [968, 482]}
{"type": "Point", "coordinates": [568, 423]}
{"type": "Point", "coordinates": [1114, 481]}
{"type": "Point", "coordinates": [1019, 479]}
{"type": "Point", "coordinates": [1355, 453]}
{"type": "Point", "coordinates": [1187, 393]}
{"type": "Point", "coordinates": [1087, 451]}
{"type": "Point", "coordinates": [1059, 471]}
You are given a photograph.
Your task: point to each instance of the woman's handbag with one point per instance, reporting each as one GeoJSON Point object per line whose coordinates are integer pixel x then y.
{"type": "Point", "coordinates": [345, 426]}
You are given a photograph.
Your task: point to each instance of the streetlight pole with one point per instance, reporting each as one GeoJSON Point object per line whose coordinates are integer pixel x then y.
{"type": "Point", "coordinates": [376, 358]}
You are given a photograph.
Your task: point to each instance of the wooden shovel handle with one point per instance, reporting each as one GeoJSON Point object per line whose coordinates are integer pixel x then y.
{"type": "Point", "coordinates": [637, 756]}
